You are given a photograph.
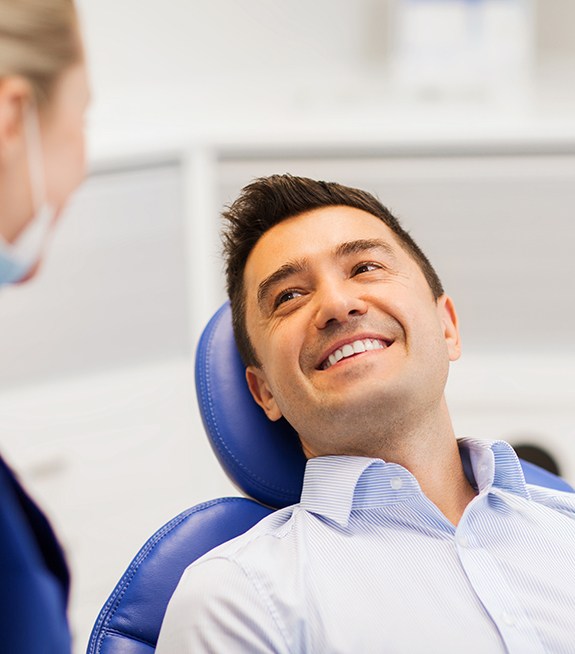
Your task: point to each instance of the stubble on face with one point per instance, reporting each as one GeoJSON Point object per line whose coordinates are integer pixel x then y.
{"type": "Point", "coordinates": [360, 405]}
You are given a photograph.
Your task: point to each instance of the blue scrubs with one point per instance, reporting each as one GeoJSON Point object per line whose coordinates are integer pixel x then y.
{"type": "Point", "coordinates": [34, 578]}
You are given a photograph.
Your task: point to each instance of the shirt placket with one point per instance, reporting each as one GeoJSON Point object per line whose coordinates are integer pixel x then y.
{"type": "Point", "coordinates": [492, 588]}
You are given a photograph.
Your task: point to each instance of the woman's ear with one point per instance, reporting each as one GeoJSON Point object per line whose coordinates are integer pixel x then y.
{"type": "Point", "coordinates": [262, 393]}
{"type": "Point", "coordinates": [450, 322]}
{"type": "Point", "coordinates": [15, 93]}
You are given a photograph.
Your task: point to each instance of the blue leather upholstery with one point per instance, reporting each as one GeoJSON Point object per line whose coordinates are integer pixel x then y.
{"type": "Point", "coordinates": [540, 477]}
{"type": "Point", "coordinates": [262, 458]}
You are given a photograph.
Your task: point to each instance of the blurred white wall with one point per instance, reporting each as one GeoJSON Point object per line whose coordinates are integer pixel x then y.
{"type": "Point", "coordinates": [228, 50]}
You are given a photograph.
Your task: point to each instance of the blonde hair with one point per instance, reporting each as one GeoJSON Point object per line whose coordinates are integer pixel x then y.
{"type": "Point", "coordinates": [39, 40]}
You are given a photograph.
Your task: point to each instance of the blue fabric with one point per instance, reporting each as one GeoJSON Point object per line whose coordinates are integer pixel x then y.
{"type": "Point", "coordinates": [34, 579]}
{"type": "Point", "coordinates": [367, 563]}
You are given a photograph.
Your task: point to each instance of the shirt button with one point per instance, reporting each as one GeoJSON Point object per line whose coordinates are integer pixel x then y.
{"type": "Point", "coordinates": [463, 541]}
{"type": "Point", "coordinates": [396, 483]}
{"type": "Point", "coordinates": [508, 618]}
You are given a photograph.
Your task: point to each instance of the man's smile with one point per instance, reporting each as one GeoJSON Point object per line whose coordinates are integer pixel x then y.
{"type": "Point", "coordinates": [352, 348]}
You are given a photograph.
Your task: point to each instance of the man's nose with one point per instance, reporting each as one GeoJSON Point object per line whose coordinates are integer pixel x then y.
{"type": "Point", "coordinates": [337, 304]}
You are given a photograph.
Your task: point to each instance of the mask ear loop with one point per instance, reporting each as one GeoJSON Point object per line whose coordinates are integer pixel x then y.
{"type": "Point", "coordinates": [29, 245]}
{"type": "Point", "coordinates": [35, 156]}
{"type": "Point", "coordinates": [33, 142]}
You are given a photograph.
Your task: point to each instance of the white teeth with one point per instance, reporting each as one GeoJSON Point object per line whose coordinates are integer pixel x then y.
{"type": "Point", "coordinates": [349, 349]}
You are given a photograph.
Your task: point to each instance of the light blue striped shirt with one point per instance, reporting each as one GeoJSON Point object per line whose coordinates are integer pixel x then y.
{"type": "Point", "coordinates": [366, 563]}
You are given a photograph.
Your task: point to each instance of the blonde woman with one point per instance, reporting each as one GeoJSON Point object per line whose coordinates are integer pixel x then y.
{"type": "Point", "coordinates": [43, 97]}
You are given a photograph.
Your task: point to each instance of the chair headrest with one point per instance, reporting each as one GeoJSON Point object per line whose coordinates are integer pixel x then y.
{"type": "Point", "coordinates": [263, 459]}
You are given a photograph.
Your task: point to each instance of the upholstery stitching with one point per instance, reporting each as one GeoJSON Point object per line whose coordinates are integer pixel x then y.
{"type": "Point", "coordinates": [109, 610]}
{"type": "Point", "coordinates": [119, 634]}
{"type": "Point", "coordinates": [221, 446]}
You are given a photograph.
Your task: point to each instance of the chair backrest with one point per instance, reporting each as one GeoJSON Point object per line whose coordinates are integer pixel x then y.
{"type": "Point", "coordinates": [262, 458]}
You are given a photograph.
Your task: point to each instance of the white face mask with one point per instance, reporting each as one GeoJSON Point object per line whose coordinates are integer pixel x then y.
{"type": "Point", "coordinates": [18, 258]}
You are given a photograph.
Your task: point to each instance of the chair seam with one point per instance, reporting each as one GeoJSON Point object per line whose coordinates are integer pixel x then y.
{"type": "Point", "coordinates": [119, 634]}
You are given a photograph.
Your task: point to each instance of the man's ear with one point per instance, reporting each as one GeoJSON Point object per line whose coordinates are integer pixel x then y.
{"type": "Point", "coordinates": [262, 393]}
{"type": "Point", "coordinates": [450, 322]}
{"type": "Point", "coordinates": [15, 93]}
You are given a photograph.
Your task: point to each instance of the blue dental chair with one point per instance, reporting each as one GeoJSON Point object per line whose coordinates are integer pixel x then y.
{"type": "Point", "coordinates": [263, 459]}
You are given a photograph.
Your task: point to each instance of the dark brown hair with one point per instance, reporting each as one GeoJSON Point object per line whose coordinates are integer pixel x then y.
{"type": "Point", "coordinates": [270, 200]}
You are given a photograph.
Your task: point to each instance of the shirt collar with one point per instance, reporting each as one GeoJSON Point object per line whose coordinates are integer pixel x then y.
{"type": "Point", "coordinates": [492, 464]}
{"type": "Point", "coordinates": [335, 485]}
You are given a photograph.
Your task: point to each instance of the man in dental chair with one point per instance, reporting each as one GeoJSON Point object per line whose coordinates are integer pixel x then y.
{"type": "Point", "coordinates": [406, 539]}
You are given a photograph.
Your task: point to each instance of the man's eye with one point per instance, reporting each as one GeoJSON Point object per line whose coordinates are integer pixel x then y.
{"type": "Point", "coordinates": [367, 266]}
{"type": "Point", "coordinates": [286, 296]}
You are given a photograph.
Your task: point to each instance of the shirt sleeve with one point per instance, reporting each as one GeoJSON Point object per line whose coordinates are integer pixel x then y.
{"type": "Point", "coordinates": [216, 609]}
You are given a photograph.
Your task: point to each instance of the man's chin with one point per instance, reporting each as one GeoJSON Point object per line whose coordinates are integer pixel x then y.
{"type": "Point", "coordinates": [355, 404]}
{"type": "Point", "coordinates": [358, 387]}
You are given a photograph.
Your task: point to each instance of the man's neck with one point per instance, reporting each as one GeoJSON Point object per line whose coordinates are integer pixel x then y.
{"type": "Point", "coordinates": [439, 471]}
{"type": "Point", "coordinates": [429, 450]}
{"type": "Point", "coordinates": [426, 446]}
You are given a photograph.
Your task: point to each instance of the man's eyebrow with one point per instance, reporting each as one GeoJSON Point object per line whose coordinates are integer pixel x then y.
{"type": "Point", "coordinates": [283, 272]}
{"type": "Point", "coordinates": [362, 245]}
{"type": "Point", "coordinates": [301, 265]}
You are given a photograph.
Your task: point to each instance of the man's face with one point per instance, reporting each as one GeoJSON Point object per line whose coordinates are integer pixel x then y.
{"type": "Point", "coordinates": [346, 328]}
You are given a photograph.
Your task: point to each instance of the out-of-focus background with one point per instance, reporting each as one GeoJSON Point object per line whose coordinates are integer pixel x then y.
{"type": "Point", "coordinates": [458, 114]}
